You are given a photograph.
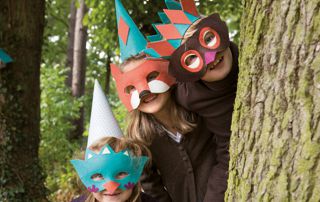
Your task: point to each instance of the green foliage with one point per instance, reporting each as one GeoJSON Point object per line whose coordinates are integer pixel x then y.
{"type": "Point", "coordinates": [55, 34]}
{"type": "Point", "coordinates": [58, 107]}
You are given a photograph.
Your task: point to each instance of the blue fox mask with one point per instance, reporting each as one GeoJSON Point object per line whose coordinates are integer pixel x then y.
{"type": "Point", "coordinates": [108, 164]}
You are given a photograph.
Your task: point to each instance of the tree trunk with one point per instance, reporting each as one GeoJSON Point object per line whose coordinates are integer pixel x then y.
{"type": "Point", "coordinates": [21, 34]}
{"type": "Point", "coordinates": [275, 144]}
{"type": "Point", "coordinates": [108, 74]}
{"type": "Point", "coordinates": [79, 66]}
{"type": "Point", "coordinates": [72, 22]}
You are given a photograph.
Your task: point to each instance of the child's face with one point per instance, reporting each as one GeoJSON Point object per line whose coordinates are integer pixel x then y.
{"type": "Point", "coordinates": [197, 58]}
{"type": "Point", "coordinates": [154, 103]}
{"type": "Point", "coordinates": [118, 196]}
{"type": "Point", "coordinates": [141, 82]}
{"type": "Point", "coordinates": [220, 67]}
{"type": "Point", "coordinates": [150, 102]}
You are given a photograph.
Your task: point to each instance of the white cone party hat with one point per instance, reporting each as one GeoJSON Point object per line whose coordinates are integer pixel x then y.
{"type": "Point", "coordinates": [102, 120]}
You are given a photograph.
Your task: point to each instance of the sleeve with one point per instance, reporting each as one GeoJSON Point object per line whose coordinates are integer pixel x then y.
{"type": "Point", "coordinates": [152, 185]}
{"type": "Point", "coordinates": [219, 127]}
{"type": "Point", "coordinates": [217, 183]}
{"type": "Point", "coordinates": [181, 95]}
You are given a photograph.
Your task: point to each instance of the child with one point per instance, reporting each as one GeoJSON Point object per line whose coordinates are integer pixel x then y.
{"type": "Point", "coordinates": [182, 148]}
{"type": "Point", "coordinates": [113, 164]}
{"type": "Point", "coordinates": [205, 64]}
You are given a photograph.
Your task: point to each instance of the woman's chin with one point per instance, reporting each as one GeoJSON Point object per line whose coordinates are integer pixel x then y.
{"type": "Point", "coordinates": [154, 104]}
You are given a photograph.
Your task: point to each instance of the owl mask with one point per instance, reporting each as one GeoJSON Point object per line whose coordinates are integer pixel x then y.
{"type": "Point", "coordinates": [189, 62]}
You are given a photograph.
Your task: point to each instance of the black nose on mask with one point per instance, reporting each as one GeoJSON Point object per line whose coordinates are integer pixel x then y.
{"type": "Point", "coordinates": [144, 93]}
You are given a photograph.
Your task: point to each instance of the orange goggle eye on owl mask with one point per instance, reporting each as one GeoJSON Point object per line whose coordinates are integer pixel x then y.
{"type": "Point", "coordinates": [192, 61]}
{"type": "Point", "coordinates": [209, 38]}
{"type": "Point", "coordinates": [189, 61]}
{"type": "Point", "coordinates": [149, 77]}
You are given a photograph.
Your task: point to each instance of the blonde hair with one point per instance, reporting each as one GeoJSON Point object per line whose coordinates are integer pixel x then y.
{"type": "Point", "coordinates": [134, 147]}
{"type": "Point", "coordinates": [143, 126]}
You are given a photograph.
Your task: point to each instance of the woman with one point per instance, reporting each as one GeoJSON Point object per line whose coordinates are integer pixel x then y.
{"type": "Point", "coordinates": [183, 150]}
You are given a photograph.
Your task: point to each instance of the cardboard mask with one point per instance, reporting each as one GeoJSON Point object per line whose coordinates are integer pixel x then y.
{"type": "Point", "coordinates": [149, 77]}
{"type": "Point", "coordinates": [101, 171]}
{"type": "Point", "coordinates": [189, 62]}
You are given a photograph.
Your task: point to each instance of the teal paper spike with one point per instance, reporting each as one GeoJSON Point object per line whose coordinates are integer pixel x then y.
{"type": "Point", "coordinates": [192, 18]}
{"type": "Point", "coordinates": [152, 53]}
{"type": "Point", "coordinates": [136, 42]}
{"type": "Point", "coordinates": [164, 18]}
{"type": "Point", "coordinates": [157, 36]}
{"type": "Point", "coordinates": [175, 42]}
{"type": "Point", "coordinates": [89, 154]}
{"type": "Point", "coordinates": [153, 38]}
{"type": "Point", "coordinates": [182, 28]}
{"type": "Point", "coordinates": [173, 5]}
{"type": "Point", "coordinates": [4, 57]}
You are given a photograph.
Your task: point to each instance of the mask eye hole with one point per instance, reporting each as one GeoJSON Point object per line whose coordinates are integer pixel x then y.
{"type": "Point", "coordinates": [192, 61]}
{"type": "Point", "coordinates": [121, 175]}
{"type": "Point", "coordinates": [209, 38]}
{"type": "Point", "coordinates": [129, 89]}
{"type": "Point", "coordinates": [97, 177]}
{"type": "Point", "coordinates": [152, 76]}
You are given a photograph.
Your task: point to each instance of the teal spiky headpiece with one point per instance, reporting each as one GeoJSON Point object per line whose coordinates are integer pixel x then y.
{"type": "Point", "coordinates": [131, 40]}
{"type": "Point", "coordinates": [108, 164]}
{"type": "Point", "coordinates": [175, 22]}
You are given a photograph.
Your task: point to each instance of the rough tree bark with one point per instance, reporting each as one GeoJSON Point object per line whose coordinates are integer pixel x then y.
{"type": "Point", "coordinates": [79, 66]}
{"type": "Point", "coordinates": [275, 144]}
{"type": "Point", "coordinates": [21, 34]}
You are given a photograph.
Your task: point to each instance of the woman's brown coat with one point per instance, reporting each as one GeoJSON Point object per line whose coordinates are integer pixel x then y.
{"type": "Point", "coordinates": [181, 171]}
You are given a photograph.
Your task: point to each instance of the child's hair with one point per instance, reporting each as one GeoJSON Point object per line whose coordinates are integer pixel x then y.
{"type": "Point", "coordinates": [136, 149]}
{"type": "Point", "coordinates": [132, 59]}
{"type": "Point", "coordinates": [191, 30]}
{"type": "Point", "coordinates": [143, 126]}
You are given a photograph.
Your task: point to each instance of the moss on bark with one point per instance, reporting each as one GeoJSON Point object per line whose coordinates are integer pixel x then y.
{"type": "Point", "coordinates": [275, 144]}
{"type": "Point", "coordinates": [21, 178]}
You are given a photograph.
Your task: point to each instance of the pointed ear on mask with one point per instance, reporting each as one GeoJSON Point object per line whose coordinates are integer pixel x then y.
{"type": "Point", "coordinates": [80, 167]}
{"type": "Point", "coordinates": [115, 70]}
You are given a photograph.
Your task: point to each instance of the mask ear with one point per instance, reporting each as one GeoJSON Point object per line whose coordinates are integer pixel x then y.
{"type": "Point", "coordinates": [115, 71]}
{"type": "Point", "coordinates": [80, 167]}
